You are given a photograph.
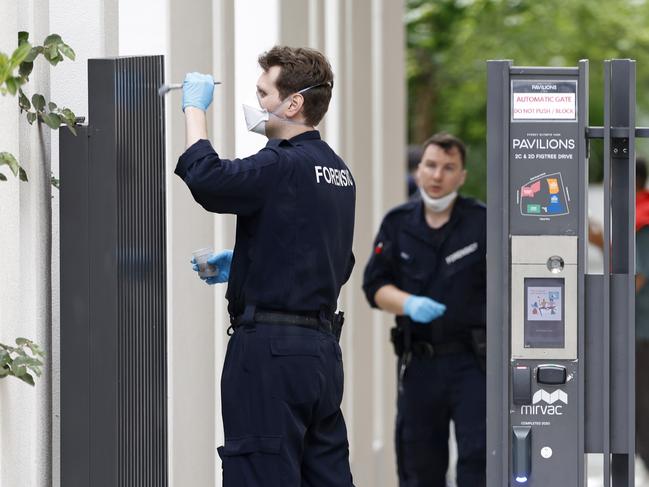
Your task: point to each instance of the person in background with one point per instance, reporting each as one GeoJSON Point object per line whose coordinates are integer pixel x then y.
{"type": "Point", "coordinates": [413, 156]}
{"type": "Point", "coordinates": [642, 310]}
{"type": "Point", "coordinates": [428, 268]}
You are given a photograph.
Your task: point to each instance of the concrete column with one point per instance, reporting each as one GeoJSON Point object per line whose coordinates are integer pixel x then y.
{"type": "Point", "coordinates": [18, 402]}
{"type": "Point", "coordinates": [372, 140]}
{"type": "Point", "coordinates": [388, 190]}
{"type": "Point", "coordinates": [25, 412]}
{"type": "Point", "coordinates": [29, 446]}
{"type": "Point", "coordinates": [192, 377]}
{"type": "Point", "coordinates": [224, 140]}
{"type": "Point", "coordinates": [302, 24]}
{"type": "Point", "coordinates": [364, 41]}
{"type": "Point", "coordinates": [359, 153]}
{"type": "Point", "coordinates": [36, 247]}
{"type": "Point", "coordinates": [317, 24]}
{"type": "Point", "coordinates": [293, 23]}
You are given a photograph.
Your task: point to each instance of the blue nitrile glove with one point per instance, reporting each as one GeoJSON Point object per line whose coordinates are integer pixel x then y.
{"type": "Point", "coordinates": [222, 260]}
{"type": "Point", "coordinates": [422, 309]}
{"type": "Point", "coordinates": [198, 90]}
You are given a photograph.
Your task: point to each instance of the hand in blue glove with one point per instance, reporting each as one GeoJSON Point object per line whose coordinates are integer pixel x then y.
{"type": "Point", "coordinates": [198, 90]}
{"type": "Point", "coordinates": [222, 260]}
{"type": "Point", "coordinates": [422, 309]}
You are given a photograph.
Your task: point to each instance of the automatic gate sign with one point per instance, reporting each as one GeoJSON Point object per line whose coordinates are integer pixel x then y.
{"type": "Point", "coordinates": [534, 100]}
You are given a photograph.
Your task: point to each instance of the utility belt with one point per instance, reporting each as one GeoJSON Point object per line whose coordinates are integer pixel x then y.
{"type": "Point", "coordinates": [318, 320]}
{"type": "Point", "coordinates": [406, 346]}
{"type": "Point", "coordinates": [422, 348]}
{"type": "Point", "coordinates": [404, 342]}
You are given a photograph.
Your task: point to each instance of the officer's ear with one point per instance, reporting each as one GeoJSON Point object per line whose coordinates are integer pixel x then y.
{"type": "Point", "coordinates": [294, 108]}
{"type": "Point", "coordinates": [463, 178]}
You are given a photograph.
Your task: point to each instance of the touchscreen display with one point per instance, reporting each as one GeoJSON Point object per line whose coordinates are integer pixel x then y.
{"type": "Point", "coordinates": [544, 313]}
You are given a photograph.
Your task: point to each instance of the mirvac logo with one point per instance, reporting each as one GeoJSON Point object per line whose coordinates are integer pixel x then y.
{"type": "Point", "coordinates": [550, 408]}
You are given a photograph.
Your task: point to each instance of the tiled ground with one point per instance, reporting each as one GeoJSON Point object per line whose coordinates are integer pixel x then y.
{"type": "Point", "coordinates": [595, 475]}
{"type": "Point", "coordinates": [594, 468]}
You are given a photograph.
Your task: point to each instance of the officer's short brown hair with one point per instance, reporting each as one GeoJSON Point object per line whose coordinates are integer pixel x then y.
{"type": "Point", "coordinates": [447, 142]}
{"type": "Point", "coordinates": [300, 68]}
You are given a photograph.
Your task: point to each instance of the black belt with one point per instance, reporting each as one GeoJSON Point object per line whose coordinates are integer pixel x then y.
{"type": "Point", "coordinates": [427, 349]}
{"type": "Point", "coordinates": [332, 324]}
{"type": "Point", "coordinates": [420, 348]}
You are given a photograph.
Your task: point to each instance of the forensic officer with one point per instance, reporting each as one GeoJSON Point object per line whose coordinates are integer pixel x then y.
{"type": "Point", "coordinates": [282, 380]}
{"type": "Point", "coordinates": [428, 268]}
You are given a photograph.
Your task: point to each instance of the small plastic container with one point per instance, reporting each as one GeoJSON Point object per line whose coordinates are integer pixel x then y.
{"type": "Point", "coordinates": [205, 269]}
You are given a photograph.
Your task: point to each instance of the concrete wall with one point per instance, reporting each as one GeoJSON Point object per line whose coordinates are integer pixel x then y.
{"type": "Point", "coordinates": [364, 43]}
{"type": "Point", "coordinates": [347, 32]}
{"type": "Point", "coordinates": [29, 297]}
{"type": "Point", "coordinates": [367, 42]}
{"type": "Point", "coordinates": [363, 39]}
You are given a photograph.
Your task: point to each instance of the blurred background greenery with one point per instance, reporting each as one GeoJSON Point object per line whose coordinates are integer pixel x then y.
{"type": "Point", "coordinates": [449, 42]}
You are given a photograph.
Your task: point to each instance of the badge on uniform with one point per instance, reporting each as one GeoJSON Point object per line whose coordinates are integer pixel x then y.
{"type": "Point", "coordinates": [379, 248]}
{"type": "Point", "coordinates": [460, 254]}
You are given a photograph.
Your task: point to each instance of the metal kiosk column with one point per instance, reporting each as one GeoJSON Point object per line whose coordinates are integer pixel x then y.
{"type": "Point", "coordinates": [560, 371]}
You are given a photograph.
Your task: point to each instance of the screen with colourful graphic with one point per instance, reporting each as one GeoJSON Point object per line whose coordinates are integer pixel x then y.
{"type": "Point", "coordinates": [544, 314]}
{"type": "Point", "coordinates": [544, 196]}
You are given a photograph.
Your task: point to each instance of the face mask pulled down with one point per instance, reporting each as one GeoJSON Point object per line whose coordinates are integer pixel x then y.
{"type": "Point", "coordinates": [437, 205]}
{"type": "Point", "coordinates": [257, 118]}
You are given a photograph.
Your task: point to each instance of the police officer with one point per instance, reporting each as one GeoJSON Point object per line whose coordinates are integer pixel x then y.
{"type": "Point", "coordinates": [428, 268]}
{"type": "Point", "coordinates": [282, 380]}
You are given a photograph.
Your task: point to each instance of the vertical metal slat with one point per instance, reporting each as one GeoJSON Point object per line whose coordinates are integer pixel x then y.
{"type": "Point", "coordinates": [606, 359]}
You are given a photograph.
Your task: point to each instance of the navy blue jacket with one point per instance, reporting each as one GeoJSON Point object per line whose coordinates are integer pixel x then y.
{"type": "Point", "coordinates": [446, 264]}
{"type": "Point", "coordinates": [295, 204]}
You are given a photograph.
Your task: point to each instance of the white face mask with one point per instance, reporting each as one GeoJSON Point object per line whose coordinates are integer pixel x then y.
{"type": "Point", "coordinates": [257, 118]}
{"type": "Point", "coordinates": [437, 205]}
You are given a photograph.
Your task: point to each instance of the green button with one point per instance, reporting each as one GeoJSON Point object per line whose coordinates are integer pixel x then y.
{"type": "Point", "coordinates": [534, 209]}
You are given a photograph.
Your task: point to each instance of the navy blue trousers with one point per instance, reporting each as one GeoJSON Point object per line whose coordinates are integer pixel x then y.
{"type": "Point", "coordinates": [281, 391]}
{"type": "Point", "coordinates": [436, 391]}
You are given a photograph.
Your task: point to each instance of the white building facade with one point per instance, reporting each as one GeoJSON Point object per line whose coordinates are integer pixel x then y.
{"type": "Point", "coordinates": [364, 40]}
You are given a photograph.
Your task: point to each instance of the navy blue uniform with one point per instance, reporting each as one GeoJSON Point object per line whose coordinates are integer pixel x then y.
{"type": "Point", "coordinates": [282, 385]}
{"type": "Point", "coordinates": [443, 380]}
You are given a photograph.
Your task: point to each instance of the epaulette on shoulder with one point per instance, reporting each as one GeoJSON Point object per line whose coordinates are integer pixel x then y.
{"type": "Point", "coordinates": [279, 143]}
{"type": "Point", "coordinates": [474, 203]}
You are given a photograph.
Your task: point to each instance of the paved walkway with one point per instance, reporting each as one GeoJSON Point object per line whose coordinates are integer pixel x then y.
{"type": "Point", "coordinates": [595, 472]}
{"type": "Point", "coordinates": [594, 468]}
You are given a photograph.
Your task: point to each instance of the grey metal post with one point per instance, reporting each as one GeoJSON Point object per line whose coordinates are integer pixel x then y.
{"type": "Point", "coordinates": [583, 87]}
{"type": "Point", "coordinates": [537, 210]}
{"type": "Point", "coordinates": [621, 172]}
{"type": "Point", "coordinates": [583, 358]}
{"type": "Point", "coordinates": [113, 282]}
{"type": "Point", "coordinates": [497, 273]}
{"type": "Point", "coordinates": [606, 339]}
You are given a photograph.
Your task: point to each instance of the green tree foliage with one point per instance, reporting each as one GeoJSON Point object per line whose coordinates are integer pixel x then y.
{"type": "Point", "coordinates": [449, 42]}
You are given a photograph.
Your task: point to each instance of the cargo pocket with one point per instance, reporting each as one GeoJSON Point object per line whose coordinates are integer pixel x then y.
{"type": "Point", "coordinates": [296, 368]}
{"type": "Point", "coordinates": [253, 461]}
